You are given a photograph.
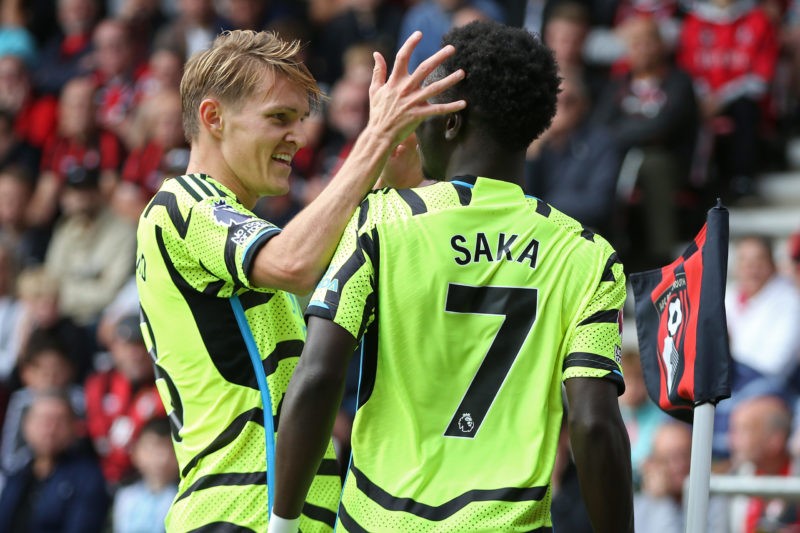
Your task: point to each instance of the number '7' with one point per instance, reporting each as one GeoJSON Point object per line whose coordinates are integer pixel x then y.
{"type": "Point", "coordinates": [518, 306]}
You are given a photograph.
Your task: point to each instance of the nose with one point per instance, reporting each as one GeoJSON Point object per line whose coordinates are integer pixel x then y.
{"type": "Point", "coordinates": [297, 135]}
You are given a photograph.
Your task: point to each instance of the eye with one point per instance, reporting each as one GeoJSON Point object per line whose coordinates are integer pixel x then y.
{"type": "Point", "coordinates": [280, 118]}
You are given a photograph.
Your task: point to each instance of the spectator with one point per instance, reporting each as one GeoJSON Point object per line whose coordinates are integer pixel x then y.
{"type": "Point", "coordinates": [565, 31]}
{"type": "Point", "coordinates": [61, 490]}
{"type": "Point", "coordinates": [434, 18]}
{"type": "Point", "coordinates": [13, 150]}
{"type": "Point", "coordinates": [763, 310]}
{"type": "Point", "coordinates": [67, 54]}
{"type": "Point", "coordinates": [29, 244]}
{"type": "Point", "coordinates": [142, 506]}
{"type": "Point", "coordinates": [121, 400]}
{"type": "Point", "coordinates": [794, 257]}
{"type": "Point", "coordinates": [38, 294]}
{"type": "Point", "coordinates": [192, 30]}
{"type": "Point", "coordinates": [361, 21]}
{"type": "Point", "coordinates": [44, 366]}
{"type": "Point", "coordinates": [660, 507]}
{"type": "Point", "coordinates": [642, 417]}
{"type": "Point", "coordinates": [92, 249]}
{"type": "Point", "coordinates": [116, 74]}
{"type": "Point", "coordinates": [759, 434]}
{"type": "Point", "coordinates": [10, 310]}
{"type": "Point", "coordinates": [730, 49]}
{"type": "Point", "coordinates": [652, 115]}
{"type": "Point", "coordinates": [34, 115]}
{"type": "Point", "coordinates": [148, 165]}
{"type": "Point", "coordinates": [14, 36]}
{"type": "Point", "coordinates": [79, 142]}
{"type": "Point", "coordinates": [253, 14]}
{"type": "Point", "coordinates": [574, 165]}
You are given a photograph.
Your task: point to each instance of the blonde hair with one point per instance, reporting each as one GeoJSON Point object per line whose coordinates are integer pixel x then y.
{"type": "Point", "coordinates": [234, 67]}
{"type": "Point", "coordinates": [35, 282]}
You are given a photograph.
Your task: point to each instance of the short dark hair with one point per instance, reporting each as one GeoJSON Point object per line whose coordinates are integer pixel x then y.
{"type": "Point", "coordinates": [158, 426]}
{"type": "Point", "coordinates": [511, 83]}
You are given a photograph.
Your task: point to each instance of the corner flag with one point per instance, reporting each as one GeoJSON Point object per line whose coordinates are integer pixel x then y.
{"type": "Point", "coordinates": [681, 325]}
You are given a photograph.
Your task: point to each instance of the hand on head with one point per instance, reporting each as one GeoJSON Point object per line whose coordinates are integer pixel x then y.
{"type": "Point", "coordinates": [400, 102]}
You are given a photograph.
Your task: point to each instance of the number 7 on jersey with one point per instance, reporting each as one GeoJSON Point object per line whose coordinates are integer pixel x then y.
{"type": "Point", "coordinates": [518, 305]}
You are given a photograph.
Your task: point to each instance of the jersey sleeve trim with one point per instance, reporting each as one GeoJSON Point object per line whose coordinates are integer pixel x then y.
{"type": "Point", "coordinates": [609, 316]}
{"type": "Point", "coordinates": [255, 245]}
{"type": "Point", "coordinates": [585, 364]}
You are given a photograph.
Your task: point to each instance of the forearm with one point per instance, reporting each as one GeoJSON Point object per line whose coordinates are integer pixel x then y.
{"type": "Point", "coordinates": [307, 418]}
{"type": "Point", "coordinates": [601, 450]}
{"type": "Point", "coordinates": [302, 251]}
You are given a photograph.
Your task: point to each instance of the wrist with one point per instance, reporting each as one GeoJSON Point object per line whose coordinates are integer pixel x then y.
{"type": "Point", "coordinates": [283, 525]}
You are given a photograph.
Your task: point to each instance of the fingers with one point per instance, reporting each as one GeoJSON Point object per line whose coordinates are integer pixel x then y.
{"type": "Point", "coordinates": [378, 73]}
{"type": "Point", "coordinates": [430, 64]}
{"type": "Point", "coordinates": [442, 85]}
{"type": "Point", "coordinates": [404, 55]}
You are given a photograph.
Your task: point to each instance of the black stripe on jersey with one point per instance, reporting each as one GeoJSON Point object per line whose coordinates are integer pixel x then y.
{"type": "Point", "coordinates": [348, 522]}
{"type": "Point", "coordinates": [170, 202]}
{"type": "Point", "coordinates": [227, 435]}
{"type": "Point", "coordinates": [320, 514]}
{"type": "Point", "coordinates": [363, 211]}
{"type": "Point", "coordinates": [252, 299]}
{"type": "Point", "coordinates": [224, 480]}
{"type": "Point", "coordinates": [175, 415]}
{"type": "Point", "coordinates": [283, 350]}
{"type": "Point", "coordinates": [608, 273]}
{"type": "Point", "coordinates": [221, 527]}
{"type": "Point", "coordinates": [464, 193]}
{"type": "Point", "coordinates": [201, 184]}
{"type": "Point", "coordinates": [413, 200]}
{"type": "Point", "coordinates": [188, 188]}
{"type": "Point", "coordinates": [449, 508]}
{"type": "Point", "coordinates": [543, 208]}
{"type": "Point", "coordinates": [211, 184]}
{"type": "Point", "coordinates": [587, 234]}
{"type": "Point", "coordinates": [328, 467]}
{"type": "Point", "coordinates": [369, 244]}
{"type": "Point", "coordinates": [589, 360]}
{"type": "Point", "coordinates": [369, 339]}
{"type": "Point", "coordinates": [230, 258]}
{"type": "Point", "coordinates": [213, 288]}
{"type": "Point", "coordinates": [609, 316]}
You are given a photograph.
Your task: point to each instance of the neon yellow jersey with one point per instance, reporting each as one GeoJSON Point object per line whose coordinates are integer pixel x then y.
{"type": "Point", "coordinates": [224, 352]}
{"type": "Point", "coordinates": [473, 303]}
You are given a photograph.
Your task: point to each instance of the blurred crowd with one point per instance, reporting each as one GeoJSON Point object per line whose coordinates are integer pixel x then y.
{"type": "Point", "coordinates": [666, 105]}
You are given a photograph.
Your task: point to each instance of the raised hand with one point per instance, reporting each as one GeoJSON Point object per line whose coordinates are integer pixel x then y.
{"type": "Point", "coordinates": [398, 104]}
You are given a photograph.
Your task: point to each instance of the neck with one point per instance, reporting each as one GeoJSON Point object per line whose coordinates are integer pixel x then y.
{"type": "Point", "coordinates": [205, 159]}
{"type": "Point", "coordinates": [773, 466]}
{"type": "Point", "coordinates": [43, 466]}
{"type": "Point", "coordinates": [488, 160]}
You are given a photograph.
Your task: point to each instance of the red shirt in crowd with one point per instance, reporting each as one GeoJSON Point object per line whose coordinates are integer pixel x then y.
{"type": "Point", "coordinates": [115, 413]}
{"type": "Point", "coordinates": [60, 154]}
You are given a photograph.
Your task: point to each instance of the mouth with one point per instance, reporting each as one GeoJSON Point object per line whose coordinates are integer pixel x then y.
{"type": "Point", "coordinates": [283, 159]}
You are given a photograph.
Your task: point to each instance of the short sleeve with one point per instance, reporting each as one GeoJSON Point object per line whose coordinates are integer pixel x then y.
{"type": "Point", "coordinates": [225, 237]}
{"type": "Point", "coordinates": [595, 345]}
{"type": "Point", "coordinates": [346, 293]}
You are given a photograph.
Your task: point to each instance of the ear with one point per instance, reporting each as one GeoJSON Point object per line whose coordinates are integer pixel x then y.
{"type": "Point", "coordinates": [210, 114]}
{"type": "Point", "coordinates": [452, 126]}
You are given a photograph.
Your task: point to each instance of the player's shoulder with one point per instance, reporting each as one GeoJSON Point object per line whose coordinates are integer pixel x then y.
{"type": "Point", "coordinates": [566, 228]}
{"type": "Point", "coordinates": [384, 205]}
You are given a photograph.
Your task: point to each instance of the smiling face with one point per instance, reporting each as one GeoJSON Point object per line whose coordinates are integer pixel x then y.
{"type": "Point", "coordinates": [259, 137]}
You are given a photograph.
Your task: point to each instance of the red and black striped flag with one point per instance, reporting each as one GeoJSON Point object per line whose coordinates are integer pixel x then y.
{"type": "Point", "coordinates": [680, 321]}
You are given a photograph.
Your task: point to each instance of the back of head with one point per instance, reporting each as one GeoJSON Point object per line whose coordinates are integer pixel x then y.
{"type": "Point", "coordinates": [511, 81]}
{"type": "Point", "coordinates": [234, 67]}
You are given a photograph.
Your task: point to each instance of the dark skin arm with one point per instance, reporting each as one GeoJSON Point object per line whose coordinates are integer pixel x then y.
{"type": "Point", "coordinates": [602, 453]}
{"type": "Point", "coordinates": [309, 410]}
